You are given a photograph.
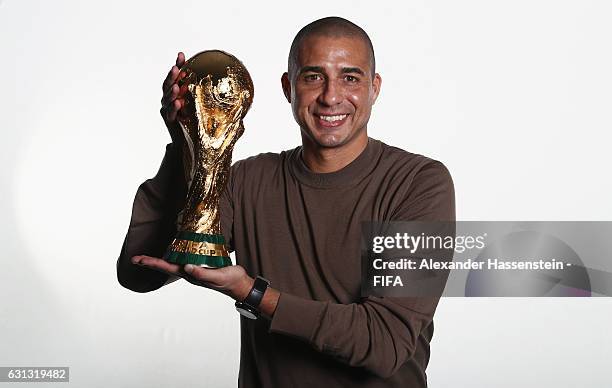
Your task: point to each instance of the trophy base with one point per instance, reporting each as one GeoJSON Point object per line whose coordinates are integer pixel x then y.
{"type": "Point", "coordinates": [204, 250]}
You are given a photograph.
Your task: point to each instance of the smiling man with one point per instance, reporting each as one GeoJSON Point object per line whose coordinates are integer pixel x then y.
{"type": "Point", "coordinates": [294, 222]}
{"type": "Point", "coordinates": [332, 84]}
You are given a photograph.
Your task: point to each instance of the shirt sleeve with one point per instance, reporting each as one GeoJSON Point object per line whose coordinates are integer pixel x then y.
{"type": "Point", "coordinates": [379, 333]}
{"type": "Point", "coordinates": [153, 223]}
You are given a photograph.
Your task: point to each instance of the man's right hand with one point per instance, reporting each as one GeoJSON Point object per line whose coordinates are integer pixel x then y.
{"type": "Point", "coordinates": [172, 100]}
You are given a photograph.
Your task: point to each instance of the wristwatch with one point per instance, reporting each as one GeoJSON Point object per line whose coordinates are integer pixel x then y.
{"type": "Point", "coordinates": [249, 307]}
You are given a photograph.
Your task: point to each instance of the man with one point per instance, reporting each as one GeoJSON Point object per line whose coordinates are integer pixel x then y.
{"type": "Point", "coordinates": [295, 217]}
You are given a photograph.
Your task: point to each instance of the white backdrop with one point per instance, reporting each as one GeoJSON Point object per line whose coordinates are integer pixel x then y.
{"type": "Point", "coordinates": [514, 97]}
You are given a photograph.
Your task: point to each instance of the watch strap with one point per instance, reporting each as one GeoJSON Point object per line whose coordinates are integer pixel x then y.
{"type": "Point", "coordinates": [257, 292]}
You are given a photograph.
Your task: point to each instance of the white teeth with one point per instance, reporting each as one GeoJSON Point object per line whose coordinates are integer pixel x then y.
{"type": "Point", "coordinates": [333, 118]}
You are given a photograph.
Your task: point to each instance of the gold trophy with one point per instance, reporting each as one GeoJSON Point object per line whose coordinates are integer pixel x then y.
{"type": "Point", "coordinates": [218, 92]}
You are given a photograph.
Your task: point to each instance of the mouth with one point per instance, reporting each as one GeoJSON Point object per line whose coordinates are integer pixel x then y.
{"type": "Point", "coordinates": [331, 120]}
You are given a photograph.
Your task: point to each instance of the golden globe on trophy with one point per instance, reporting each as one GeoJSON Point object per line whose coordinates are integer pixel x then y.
{"type": "Point", "coordinates": [218, 92]}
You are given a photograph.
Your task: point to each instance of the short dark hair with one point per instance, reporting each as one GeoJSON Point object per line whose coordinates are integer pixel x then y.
{"type": "Point", "coordinates": [330, 26]}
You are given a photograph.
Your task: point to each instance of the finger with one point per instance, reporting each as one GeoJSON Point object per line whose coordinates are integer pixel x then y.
{"type": "Point", "coordinates": [170, 95]}
{"type": "Point", "coordinates": [185, 86]}
{"type": "Point", "coordinates": [173, 110]}
{"type": "Point", "coordinates": [174, 72]}
{"type": "Point", "coordinates": [214, 277]}
{"type": "Point", "coordinates": [180, 114]}
{"type": "Point", "coordinates": [170, 78]}
{"type": "Point", "coordinates": [180, 59]}
{"type": "Point", "coordinates": [158, 264]}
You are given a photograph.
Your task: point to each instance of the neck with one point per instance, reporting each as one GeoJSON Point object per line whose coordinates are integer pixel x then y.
{"type": "Point", "coordinates": [323, 159]}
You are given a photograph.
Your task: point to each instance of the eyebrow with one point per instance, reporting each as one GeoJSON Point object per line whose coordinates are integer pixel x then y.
{"type": "Point", "coordinates": [357, 70]}
{"type": "Point", "coordinates": [314, 69]}
{"type": "Point", "coordinates": [319, 69]}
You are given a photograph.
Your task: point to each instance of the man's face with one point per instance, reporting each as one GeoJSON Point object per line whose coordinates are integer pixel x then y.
{"type": "Point", "coordinates": [332, 90]}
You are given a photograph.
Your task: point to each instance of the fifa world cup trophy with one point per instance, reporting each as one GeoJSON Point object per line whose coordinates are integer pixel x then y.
{"type": "Point", "coordinates": [218, 93]}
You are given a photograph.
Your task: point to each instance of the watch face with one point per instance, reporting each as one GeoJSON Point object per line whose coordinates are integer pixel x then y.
{"type": "Point", "coordinates": [246, 312]}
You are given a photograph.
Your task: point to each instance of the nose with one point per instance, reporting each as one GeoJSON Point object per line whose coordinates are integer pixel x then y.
{"type": "Point", "coordinates": [331, 94]}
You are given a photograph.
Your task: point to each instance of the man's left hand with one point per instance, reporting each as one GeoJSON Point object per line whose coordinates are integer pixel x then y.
{"type": "Point", "coordinates": [232, 280]}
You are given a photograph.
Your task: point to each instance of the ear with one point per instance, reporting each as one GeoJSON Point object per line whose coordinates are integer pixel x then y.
{"type": "Point", "coordinates": [286, 86]}
{"type": "Point", "coordinates": [376, 83]}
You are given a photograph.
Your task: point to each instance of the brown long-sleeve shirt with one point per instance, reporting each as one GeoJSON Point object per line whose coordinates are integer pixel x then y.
{"type": "Point", "coordinates": [301, 230]}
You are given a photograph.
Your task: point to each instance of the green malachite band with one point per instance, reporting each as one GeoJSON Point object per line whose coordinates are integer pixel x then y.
{"type": "Point", "coordinates": [200, 237]}
{"type": "Point", "coordinates": [191, 258]}
{"type": "Point", "coordinates": [194, 258]}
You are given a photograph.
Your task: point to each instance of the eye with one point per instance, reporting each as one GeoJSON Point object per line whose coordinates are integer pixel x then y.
{"type": "Point", "coordinates": [351, 78]}
{"type": "Point", "coordinates": [312, 77]}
